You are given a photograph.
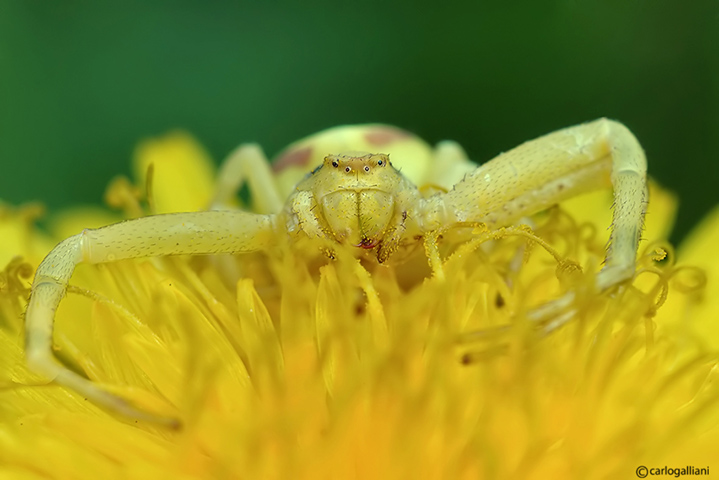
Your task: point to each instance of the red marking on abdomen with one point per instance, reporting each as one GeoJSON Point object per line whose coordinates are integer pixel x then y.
{"type": "Point", "coordinates": [384, 135]}
{"type": "Point", "coordinates": [299, 158]}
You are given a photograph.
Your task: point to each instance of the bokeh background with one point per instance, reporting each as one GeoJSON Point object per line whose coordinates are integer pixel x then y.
{"type": "Point", "coordinates": [81, 82]}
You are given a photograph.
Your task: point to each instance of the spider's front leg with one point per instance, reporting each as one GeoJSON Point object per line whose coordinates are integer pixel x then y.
{"type": "Point", "coordinates": [545, 171]}
{"type": "Point", "coordinates": [169, 234]}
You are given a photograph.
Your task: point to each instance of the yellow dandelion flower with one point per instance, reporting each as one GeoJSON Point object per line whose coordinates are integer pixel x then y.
{"type": "Point", "coordinates": [293, 366]}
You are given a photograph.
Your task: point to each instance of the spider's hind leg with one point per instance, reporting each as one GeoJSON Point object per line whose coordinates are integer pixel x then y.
{"type": "Point", "coordinates": [247, 163]}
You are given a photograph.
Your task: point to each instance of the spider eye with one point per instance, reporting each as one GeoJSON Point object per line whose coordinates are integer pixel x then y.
{"type": "Point", "coordinates": [348, 169]}
{"type": "Point", "coordinates": [366, 168]}
{"type": "Point", "coordinates": [335, 164]}
{"type": "Point", "coordinates": [379, 162]}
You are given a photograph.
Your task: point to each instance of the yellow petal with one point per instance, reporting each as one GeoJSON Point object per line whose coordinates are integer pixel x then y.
{"type": "Point", "coordinates": [697, 314]}
{"type": "Point", "coordinates": [74, 220]}
{"type": "Point", "coordinates": [183, 172]}
{"type": "Point", "coordinates": [18, 235]}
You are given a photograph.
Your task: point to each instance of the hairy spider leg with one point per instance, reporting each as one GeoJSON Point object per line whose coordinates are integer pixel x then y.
{"type": "Point", "coordinates": [545, 171]}
{"type": "Point", "coordinates": [168, 234]}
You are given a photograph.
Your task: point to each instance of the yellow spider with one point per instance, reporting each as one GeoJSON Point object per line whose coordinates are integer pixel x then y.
{"type": "Point", "coordinates": [361, 200]}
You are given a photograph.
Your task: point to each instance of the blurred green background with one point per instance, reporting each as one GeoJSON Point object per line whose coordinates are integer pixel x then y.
{"type": "Point", "coordinates": [81, 82]}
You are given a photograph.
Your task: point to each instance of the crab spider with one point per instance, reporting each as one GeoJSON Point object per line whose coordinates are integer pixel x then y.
{"type": "Point", "coordinates": [360, 200]}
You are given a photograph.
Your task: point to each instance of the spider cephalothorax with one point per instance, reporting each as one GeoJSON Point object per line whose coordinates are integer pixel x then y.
{"type": "Point", "coordinates": [355, 198]}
